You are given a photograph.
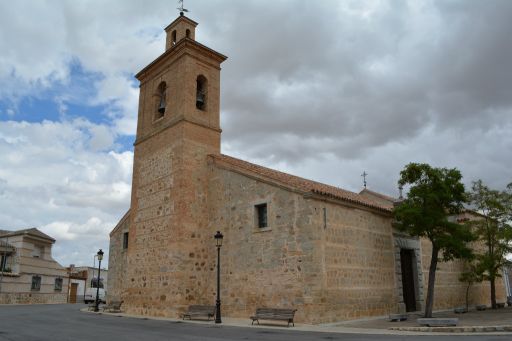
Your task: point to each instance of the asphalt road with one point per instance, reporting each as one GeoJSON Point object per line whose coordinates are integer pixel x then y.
{"type": "Point", "coordinates": [66, 322]}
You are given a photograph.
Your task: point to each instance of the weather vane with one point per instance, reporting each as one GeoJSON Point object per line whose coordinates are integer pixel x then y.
{"type": "Point", "coordinates": [364, 178]}
{"type": "Point", "coordinates": [181, 8]}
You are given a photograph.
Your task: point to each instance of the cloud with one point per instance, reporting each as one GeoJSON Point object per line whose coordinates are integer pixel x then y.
{"type": "Point", "coordinates": [324, 90]}
{"type": "Point", "coordinates": [304, 85]}
{"type": "Point", "coordinates": [54, 177]}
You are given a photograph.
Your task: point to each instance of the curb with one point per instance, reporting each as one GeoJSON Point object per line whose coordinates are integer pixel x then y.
{"type": "Point", "coordinates": [468, 329]}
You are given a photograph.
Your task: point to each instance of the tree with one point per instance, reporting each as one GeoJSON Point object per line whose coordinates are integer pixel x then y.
{"type": "Point", "coordinates": [435, 194]}
{"type": "Point", "coordinates": [493, 229]}
{"type": "Point", "coordinates": [472, 274]}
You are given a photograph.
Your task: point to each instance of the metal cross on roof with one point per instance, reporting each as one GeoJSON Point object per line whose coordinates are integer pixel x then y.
{"type": "Point", "coordinates": [364, 178]}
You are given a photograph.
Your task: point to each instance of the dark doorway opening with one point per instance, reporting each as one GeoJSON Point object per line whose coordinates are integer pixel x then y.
{"type": "Point", "coordinates": [406, 260]}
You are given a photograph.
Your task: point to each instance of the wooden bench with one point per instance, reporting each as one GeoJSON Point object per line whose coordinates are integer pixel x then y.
{"type": "Point", "coordinates": [274, 314]}
{"type": "Point", "coordinates": [113, 307]}
{"type": "Point", "coordinates": [200, 310]}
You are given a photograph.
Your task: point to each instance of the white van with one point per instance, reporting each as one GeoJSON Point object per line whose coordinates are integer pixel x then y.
{"type": "Point", "coordinates": [90, 293]}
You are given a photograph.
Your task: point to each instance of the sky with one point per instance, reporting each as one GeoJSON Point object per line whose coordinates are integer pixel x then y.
{"type": "Point", "coordinates": [320, 89]}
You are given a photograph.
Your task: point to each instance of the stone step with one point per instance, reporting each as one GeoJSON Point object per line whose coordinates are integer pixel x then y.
{"type": "Point", "coordinates": [438, 322]}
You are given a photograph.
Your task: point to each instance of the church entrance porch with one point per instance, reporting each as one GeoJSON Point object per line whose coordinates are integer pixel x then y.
{"type": "Point", "coordinates": [409, 279]}
{"type": "Point", "coordinates": [408, 287]}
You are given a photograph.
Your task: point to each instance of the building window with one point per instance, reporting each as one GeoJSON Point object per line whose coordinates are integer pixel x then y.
{"type": "Point", "coordinates": [161, 100]}
{"type": "Point", "coordinates": [187, 33]}
{"type": "Point", "coordinates": [36, 283]}
{"type": "Point", "coordinates": [4, 266]}
{"type": "Point", "coordinates": [174, 37]}
{"type": "Point", "coordinates": [38, 251]}
{"type": "Point", "coordinates": [201, 92]}
{"type": "Point", "coordinates": [261, 215]}
{"type": "Point", "coordinates": [58, 284]}
{"type": "Point", "coordinates": [125, 240]}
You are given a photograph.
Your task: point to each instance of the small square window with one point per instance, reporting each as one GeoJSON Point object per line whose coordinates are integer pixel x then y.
{"type": "Point", "coordinates": [125, 240]}
{"type": "Point", "coordinates": [261, 215]}
{"type": "Point", "coordinates": [58, 284]}
{"type": "Point", "coordinates": [38, 251]}
{"type": "Point", "coordinates": [36, 283]}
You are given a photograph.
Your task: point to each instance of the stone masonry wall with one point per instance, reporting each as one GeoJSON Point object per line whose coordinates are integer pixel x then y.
{"type": "Point", "coordinates": [330, 270]}
{"type": "Point", "coordinates": [277, 266]}
{"type": "Point", "coordinates": [449, 292]}
{"type": "Point", "coordinates": [359, 262]}
{"type": "Point", "coordinates": [169, 248]}
{"type": "Point", "coordinates": [32, 298]}
{"type": "Point", "coordinates": [117, 260]}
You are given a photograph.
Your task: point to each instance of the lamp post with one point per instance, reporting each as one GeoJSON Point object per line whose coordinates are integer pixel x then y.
{"type": "Point", "coordinates": [100, 257]}
{"type": "Point", "coordinates": [218, 241]}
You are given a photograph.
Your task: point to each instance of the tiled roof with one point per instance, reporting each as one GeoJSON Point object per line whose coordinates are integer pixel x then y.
{"type": "Point", "coordinates": [383, 199]}
{"type": "Point", "coordinates": [301, 184]}
{"type": "Point", "coordinates": [32, 231]}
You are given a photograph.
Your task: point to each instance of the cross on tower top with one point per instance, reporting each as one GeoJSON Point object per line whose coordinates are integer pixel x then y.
{"type": "Point", "coordinates": [364, 178]}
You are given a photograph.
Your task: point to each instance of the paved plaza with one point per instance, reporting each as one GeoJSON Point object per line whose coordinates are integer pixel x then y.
{"type": "Point", "coordinates": [70, 322]}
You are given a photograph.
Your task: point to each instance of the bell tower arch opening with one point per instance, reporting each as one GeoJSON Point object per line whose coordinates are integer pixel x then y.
{"type": "Point", "coordinates": [201, 92]}
{"type": "Point", "coordinates": [161, 101]}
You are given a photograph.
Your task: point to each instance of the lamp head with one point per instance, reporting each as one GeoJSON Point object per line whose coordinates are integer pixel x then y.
{"type": "Point", "coordinates": [218, 238]}
{"type": "Point", "coordinates": [100, 254]}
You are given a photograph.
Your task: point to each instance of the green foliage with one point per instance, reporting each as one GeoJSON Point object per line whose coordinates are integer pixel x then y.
{"type": "Point", "coordinates": [473, 273]}
{"type": "Point", "coordinates": [435, 196]}
{"type": "Point", "coordinates": [493, 229]}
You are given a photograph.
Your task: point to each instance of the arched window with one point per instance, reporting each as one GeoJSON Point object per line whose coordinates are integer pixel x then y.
{"type": "Point", "coordinates": [187, 33]}
{"type": "Point", "coordinates": [201, 92]}
{"type": "Point", "coordinates": [161, 103]}
{"type": "Point", "coordinates": [174, 37]}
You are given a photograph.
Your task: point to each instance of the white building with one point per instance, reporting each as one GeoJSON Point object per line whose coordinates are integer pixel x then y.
{"type": "Point", "coordinates": [28, 273]}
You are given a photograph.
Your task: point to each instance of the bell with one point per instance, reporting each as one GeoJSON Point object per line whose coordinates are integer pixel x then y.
{"type": "Point", "coordinates": [199, 100]}
{"type": "Point", "coordinates": [161, 106]}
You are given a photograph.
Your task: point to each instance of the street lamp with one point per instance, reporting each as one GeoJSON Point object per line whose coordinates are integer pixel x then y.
{"type": "Point", "coordinates": [218, 241]}
{"type": "Point", "coordinates": [100, 257]}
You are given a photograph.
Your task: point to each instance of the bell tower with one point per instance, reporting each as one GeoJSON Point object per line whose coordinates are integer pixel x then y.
{"type": "Point", "coordinates": [177, 127]}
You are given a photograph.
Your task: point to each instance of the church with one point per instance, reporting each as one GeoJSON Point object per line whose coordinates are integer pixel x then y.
{"type": "Point", "coordinates": [288, 242]}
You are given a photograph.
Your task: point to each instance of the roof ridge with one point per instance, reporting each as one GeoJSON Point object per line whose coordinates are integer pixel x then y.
{"type": "Point", "coordinates": [383, 196]}
{"type": "Point", "coordinates": [31, 230]}
{"type": "Point", "coordinates": [301, 183]}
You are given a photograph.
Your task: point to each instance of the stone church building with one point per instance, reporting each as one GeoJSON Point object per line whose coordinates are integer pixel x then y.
{"type": "Point", "coordinates": [288, 242]}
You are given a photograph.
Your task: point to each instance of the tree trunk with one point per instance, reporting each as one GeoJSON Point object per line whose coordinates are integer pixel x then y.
{"type": "Point", "coordinates": [431, 281]}
{"type": "Point", "coordinates": [467, 296]}
{"type": "Point", "coordinates": [493, 292]}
